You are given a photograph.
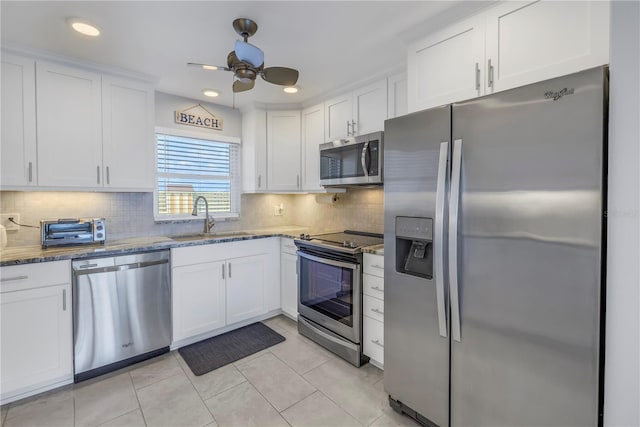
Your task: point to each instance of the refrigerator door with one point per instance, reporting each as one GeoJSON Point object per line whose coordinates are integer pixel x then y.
{"type": "Point", "coordinates": [529, 254]}
{"type": "Point", "coordinates": [416, 351]}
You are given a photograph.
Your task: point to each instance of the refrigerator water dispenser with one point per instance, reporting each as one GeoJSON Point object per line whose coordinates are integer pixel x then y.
{"type": "Point", "coordinates": [414, 246]}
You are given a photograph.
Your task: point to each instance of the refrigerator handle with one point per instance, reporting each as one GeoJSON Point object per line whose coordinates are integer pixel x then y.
{"type": "Point", "coordinates": [454, 204]}
{"type": "Point", "coordinates": [439, 235]}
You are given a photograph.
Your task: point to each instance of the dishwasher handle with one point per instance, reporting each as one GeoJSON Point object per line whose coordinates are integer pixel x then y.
{"type": "Point", "coordinates": [121, 267]}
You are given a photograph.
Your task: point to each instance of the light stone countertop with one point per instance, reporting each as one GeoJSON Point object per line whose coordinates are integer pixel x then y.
{"type": "Point", "coordinates": [375, 249]}
{"type": "Point", "coordinates": [32, 254]}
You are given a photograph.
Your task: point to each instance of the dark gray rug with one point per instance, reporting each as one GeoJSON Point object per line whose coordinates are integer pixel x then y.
{"type": "Point", "coordinates": [212, 353]}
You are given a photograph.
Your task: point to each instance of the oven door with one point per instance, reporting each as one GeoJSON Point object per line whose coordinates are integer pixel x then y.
{"type": "Point", "coordinates": [330, 294]}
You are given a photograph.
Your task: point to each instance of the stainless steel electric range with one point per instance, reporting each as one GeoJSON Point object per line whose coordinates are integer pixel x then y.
{"type": "Point", "coordinates": [330, 290]}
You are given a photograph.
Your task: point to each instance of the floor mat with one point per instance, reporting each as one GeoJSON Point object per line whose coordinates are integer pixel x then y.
{"type": "Point", "coordinates": [212, 353]}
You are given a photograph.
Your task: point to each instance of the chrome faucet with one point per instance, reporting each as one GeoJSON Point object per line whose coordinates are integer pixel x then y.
{"type": "Point", "coordinates": [208, 221]}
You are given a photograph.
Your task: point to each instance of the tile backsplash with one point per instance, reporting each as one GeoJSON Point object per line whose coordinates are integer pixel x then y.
{"type": "Point", "coordinates": [131, 214]}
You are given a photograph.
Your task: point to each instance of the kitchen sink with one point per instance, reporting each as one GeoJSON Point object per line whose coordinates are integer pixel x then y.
{"type": "Point", "coordinates": [209, 236]}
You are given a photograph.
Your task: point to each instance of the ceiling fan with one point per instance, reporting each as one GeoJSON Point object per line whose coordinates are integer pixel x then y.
{"type": "Point", "coordinates": [246, 62]}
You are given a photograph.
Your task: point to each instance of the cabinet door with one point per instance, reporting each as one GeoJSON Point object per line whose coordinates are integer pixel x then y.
{"type": "Point", "coordinates": [198, 299]}
{"type": "Point", "coordinates": [254, 151]}
{"type": "Point", "coordinates": [289, 284]}
{"type": "Point", "coordinates": [535, 41]}
{"type": "Point", "coordinates": [447, 66]}
{"type": "Point", "coordinates": [69, 127]}
{"type": "Point", "coordinates": [18, 121]}
{"type": "Point", "coordinates": [283, 150]}
{"type": "Point", "coordinates": [370, 108]}
{"type": "Point", "coordinates": [245, 287]}
{"type": "Point", "coordinates": [397, 104]}
{"type": "Point", "coordinates": [312, 137]}
{"type": "Point", "coordinates": [338, 113]}
{"type": "Point", "coordinates": [36, 339]}
{"type": "Point", "coordinates": [127, 134]}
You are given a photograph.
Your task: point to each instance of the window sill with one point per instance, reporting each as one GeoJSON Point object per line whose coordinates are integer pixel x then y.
{"type": "Point", "coordinates": [189, 218]}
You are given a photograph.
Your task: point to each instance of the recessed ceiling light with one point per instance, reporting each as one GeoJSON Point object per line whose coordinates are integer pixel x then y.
{"type": "Point", "coordinates": [291, 89]}
{"type": "Point", "coordinates": [83, 27]}
{"type": "Point", "coordinates": [210, 92]}
{"type": "Point", "coordinates": [209, 67]}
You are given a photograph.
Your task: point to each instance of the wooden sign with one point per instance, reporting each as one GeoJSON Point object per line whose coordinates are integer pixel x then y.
{"type": "Point", "coordinates": [198, 116]}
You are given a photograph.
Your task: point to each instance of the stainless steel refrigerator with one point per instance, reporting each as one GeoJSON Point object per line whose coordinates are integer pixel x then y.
{"type": "Point", "coordinates": [494, 257]}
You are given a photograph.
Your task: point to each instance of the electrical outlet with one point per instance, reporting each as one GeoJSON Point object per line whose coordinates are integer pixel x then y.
{"type": "Point", "coordinates": [4, 220]}
{"type": "Point", "coordinates": [278, 210]}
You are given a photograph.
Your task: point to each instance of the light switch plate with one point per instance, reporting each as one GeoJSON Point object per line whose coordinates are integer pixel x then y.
{"type": "Point", "coordinates": [4, 220]}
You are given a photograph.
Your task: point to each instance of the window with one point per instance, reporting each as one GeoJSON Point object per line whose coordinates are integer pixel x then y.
{"type": "Point", "coordinates": [191, 167]}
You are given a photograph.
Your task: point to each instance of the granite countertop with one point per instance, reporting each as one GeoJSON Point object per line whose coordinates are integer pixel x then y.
{"type": "Point", "coordinates": [32, 254]}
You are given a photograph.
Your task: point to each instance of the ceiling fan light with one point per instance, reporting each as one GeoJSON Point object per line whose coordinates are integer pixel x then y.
{"type": "Point", "coordinates": [247, 52]}
{"type": "Point", "coordinates": [291, 89]}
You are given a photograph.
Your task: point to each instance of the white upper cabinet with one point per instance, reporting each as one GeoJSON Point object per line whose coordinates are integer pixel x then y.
{"type": "Point", "coordinates": [356, 113]}
{"type": "Point", "coordinates": [283, 150]}
{"type": "Point", "coordinates": [510, 45]}
{"type": "Point", "coordinates": [312, 137]}
{"type": "Point", "coordinates": [19, 167]}
{"type": "Point", "coordinates": [338, 115]}
{"type": "Point", "coordinates": [447, 66]}
{"type": "Point", "coordinates": [369, 108]}
{"type": "Point", "coordinates": [397, 96]}
{"type": "Point", "coordinates": [127, 134]}
{"type": "Point", "coordinates": [254, 151]}
{"type": "Point", "coordinates": [69, 126]}
{"type": "Point", "coordinates": [535, 41]}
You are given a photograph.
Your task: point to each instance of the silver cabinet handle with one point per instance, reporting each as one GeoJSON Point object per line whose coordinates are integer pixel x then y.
{"type": "Point", "coordinates": [489, 74]}
{"type": "Point", "coordinates": [98, 174]}
{"type": "Point", "coordinates": [353, 128]}
{"type": "Point", "coordinates": [377, 342]}
{"type": "Point", "coordinates": [259, 181]}
{"type": "Point", "coordinates": [64, 300]}
{"type": "Point", "coordinates": [223, 267]}
{"type": "Point", "coordinates": [453, 238]}
{"type": "Point", "coordinates": [30, 171]}
{"type": "Point", "coordinates": [439, 231]}
{"type": "Point", "coordinates": [375, 310]}
{"type": "Point", "coordinates": [377, 288]}
{"type": "Point", "coordinates": [377, 266]}
{"type": "Point", "coordinates": [108, 180]}
{"type": "Point", "coordinates": [348, 131]}
{"type": "Point", "coordinates": [229, 270]}
{"type": "Point", "coordinates": [10, 279]}
{"type": "Point", "coordinates": [477, 76]}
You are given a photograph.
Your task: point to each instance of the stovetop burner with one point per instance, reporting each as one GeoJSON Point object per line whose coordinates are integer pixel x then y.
{"type": "Point", "coordinates": [347, 241]}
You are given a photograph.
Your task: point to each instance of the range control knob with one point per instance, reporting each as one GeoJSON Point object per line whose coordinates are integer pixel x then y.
{"type": "Point", "coordinates": [349, 244]}
{"type": "Point", "coordinates": [305, 237]}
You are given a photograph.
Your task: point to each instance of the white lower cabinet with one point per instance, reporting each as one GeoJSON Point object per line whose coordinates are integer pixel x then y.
{"type": "Point", "coordinates": [373, 308]}
{"type": "Point", "coordinates": [289, 278]}
{"type": "Point", "coordinates": [36, 333]}
{"type": "Point", "coordinates": [198, 299]}
{"type": "Point", "coordinates": [218, 285]}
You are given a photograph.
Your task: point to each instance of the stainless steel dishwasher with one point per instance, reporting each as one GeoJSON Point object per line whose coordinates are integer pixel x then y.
{"type": "Point", "coordinates": [121, 311]}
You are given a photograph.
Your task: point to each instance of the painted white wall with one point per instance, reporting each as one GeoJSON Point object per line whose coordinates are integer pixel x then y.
{"type": "Point", "coordinates": [167, 104]}
{"type": "Point", "coordinates": [622, 358]}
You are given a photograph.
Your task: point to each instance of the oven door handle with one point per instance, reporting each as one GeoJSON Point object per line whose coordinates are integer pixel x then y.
{"type": "Point", "coordinates": [352, 266]}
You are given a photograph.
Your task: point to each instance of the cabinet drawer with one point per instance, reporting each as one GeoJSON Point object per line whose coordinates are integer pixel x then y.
{"type": "Point", "coordinates": [287, 246]}
{"type": "Point", "coordinates": [37, 275]}
{"type": "Point", "coordinates": [374, 264]}
{"type": "Point", "coordinates": [197, 254]}
{"type": "Point", "coordinates": [373, 307]}
{"type": "Point", "coordinates": [373, 286]}
{"type": "Point", "coordinates": [373, 339]}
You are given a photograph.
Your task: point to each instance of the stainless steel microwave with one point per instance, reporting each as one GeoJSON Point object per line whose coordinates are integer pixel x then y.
{"type": "Point", "coordinates": [352, 161]}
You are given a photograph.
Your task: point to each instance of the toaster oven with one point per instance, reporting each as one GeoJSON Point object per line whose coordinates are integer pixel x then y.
{"type": "Point", "coordinates": [72, 231]}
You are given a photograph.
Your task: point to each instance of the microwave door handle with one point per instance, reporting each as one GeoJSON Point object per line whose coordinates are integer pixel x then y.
{"type": "Point", "coordinates": [363, 159]}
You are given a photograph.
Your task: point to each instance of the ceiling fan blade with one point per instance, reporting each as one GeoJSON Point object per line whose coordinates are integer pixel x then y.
{"type": "Point", "coordinates": [207, 66]}
{"type": "Point", "coordinates": [280, 75]}
{"type": "Point", "coordinates": [238, 86]}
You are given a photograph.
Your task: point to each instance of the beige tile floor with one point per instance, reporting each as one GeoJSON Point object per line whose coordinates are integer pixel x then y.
{"type": "Point", "coordinates": [295, 383]}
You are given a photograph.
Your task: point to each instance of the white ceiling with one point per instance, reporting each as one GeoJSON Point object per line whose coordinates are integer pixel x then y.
{"type": "Point", "coordinates": [333, 44]}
